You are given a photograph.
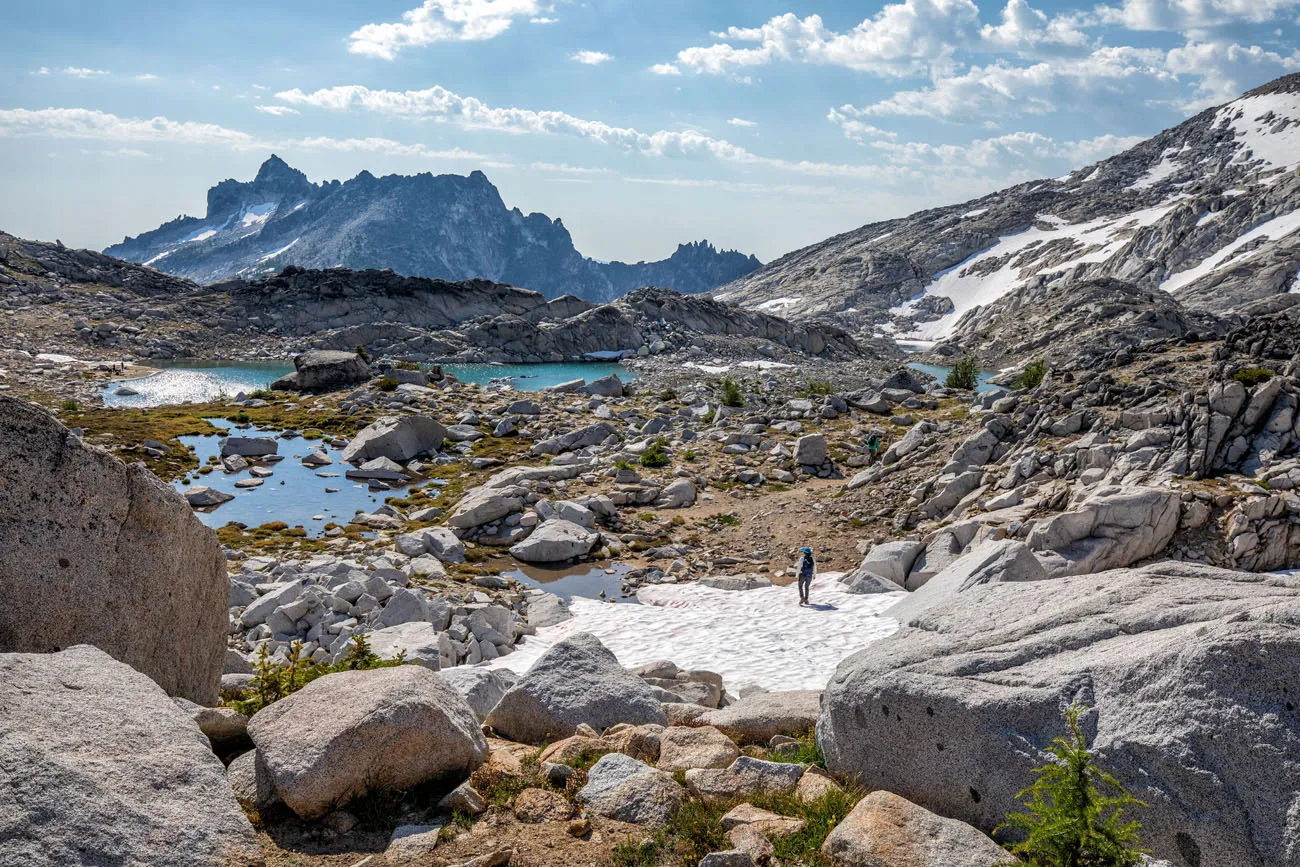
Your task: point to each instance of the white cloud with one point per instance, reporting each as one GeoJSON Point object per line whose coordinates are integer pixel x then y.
{"type": "Point", "coordinates": [1226, 69]}
{"type": "Point", "coordinates": [590, 58]}
{"type": "Point", "coordinates": [441, 21]}
{"type": "Point", "coordinates": [665, 69]}
{"type": "Point", "coordinates": [740, 121]}
{"type": "Point", "coordinates": [849, 121]}
{"type": "Point", "coordinates": [542, 20]}
{"type": "Point", "coordinates": [135, 153]}
{"type": "Point", "coordinates": [146, 76]}
{"type": "Point", "coordinates": [73, 71]}
{"type": "Point", "coordinates": [388, 147]}
{"type": "Point", "coordinates": [1107, 75]}
{"type": "Point", "coordinates": [84, 123]}
{"type": "Point", "coordinates": [276, 110]}
{"type": "Point", "coordinates": [439, 103]}
{"type": "Point", "coordinates": [1185, 15]}
{"type": "Point", "coordinates": [903, 39]}
{"type": "Point", "coordinates": [1006, 152]}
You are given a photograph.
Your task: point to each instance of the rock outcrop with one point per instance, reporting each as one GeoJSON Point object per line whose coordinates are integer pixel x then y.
{"type": "Point", "coordinates": [99, 766]}
{"type": "Point", "coordinates": [324, 370]}
{"type": "Point", "coordinates": [954, 712]}
{"type": "Point", "coordinates": [93, 551]}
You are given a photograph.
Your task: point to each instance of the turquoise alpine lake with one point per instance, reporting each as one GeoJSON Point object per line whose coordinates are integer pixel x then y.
{"type": "Point", "coordinates": [207, 381]}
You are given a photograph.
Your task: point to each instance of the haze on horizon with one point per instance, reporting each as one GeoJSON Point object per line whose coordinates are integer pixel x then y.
{"type": "Point", "coordinates": [761, 126]}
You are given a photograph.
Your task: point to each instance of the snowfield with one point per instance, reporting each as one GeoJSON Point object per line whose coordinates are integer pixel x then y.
{"type": "Point", "coordinates": [751, 637]}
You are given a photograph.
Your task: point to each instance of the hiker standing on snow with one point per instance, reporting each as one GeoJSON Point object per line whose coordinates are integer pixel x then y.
{"type": "Point", "coordinates": [806, 569]}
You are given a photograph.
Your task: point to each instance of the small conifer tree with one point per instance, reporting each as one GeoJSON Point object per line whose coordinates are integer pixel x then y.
{"type": "Point", "coordinates": [1075, 812]}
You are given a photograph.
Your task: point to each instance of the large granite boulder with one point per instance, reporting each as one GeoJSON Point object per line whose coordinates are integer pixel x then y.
{"type": "Point", "coordinates": [554, 542]}
{"type": "Point", "coordinates": [398, 438]}
{"type": "Point", "coordinates": [347, 733]}
{"type": "Point", "coordinates": [324, 370]}
{"type": "Point", "coordinates": [989, 562]}
{"type": "Point", "coordinates": [99, 766]}
{"type": "Point", "coordinates": [1193, 674]}
{"type": "Point", "coordinates": [93, 551]}
{"type": "Point", "coordinates": [576, 681]}
{"type": "Point", "coordinates": [884, 830]}
{"type": "Point", "coordinates": [1113, 528]}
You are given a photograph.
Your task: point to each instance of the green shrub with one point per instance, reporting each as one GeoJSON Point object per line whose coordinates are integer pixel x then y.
{"type": "Point", "coordinates": [656, 454]}
{"type": "Point", "coordinates": [388, 384]}
{"type": "Point", "coordinates": [361, 350]}
{"type": "Point", "coordinates": [731, 393]}
{"type": "Point", "coordinates": [820, 818]}
{"type": "Point", "coordinates": [69, 405]}
{"type": "Point", "coordinates": [964, 374]}
{"type": "Point", "coordinates": [1032, 375]}
{"type": "Point", "coordinates": [633, 853]}
{"type": "Point", "coordinates": [667, 394]}
{"type": "Point", "coordinates": [710, 416]}
{"type": "Point", "coordinates": [1071, 820]}
{"type": "Point", "coordinates": [242, 417]}
{"type": "Point", "coordinates": [261, 394]}
{"type": "Point", "coordinates": [1253, 376]}
{"type": "Point", "coordinates": [817, 388]}
{"type": "Point", "coordinates": [407, 365]}
{"type": "Point", "coordinates": [272, 682]}
{"type": "Point", "coordinates": [689, 455]}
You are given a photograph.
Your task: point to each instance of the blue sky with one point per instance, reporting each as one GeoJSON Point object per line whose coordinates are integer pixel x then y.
{"type": "Point", "coordinates": [759, 125]}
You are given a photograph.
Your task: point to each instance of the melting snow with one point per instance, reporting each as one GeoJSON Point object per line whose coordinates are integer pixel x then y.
{"type": "Point", "coordinates": [1098, 240]}
{"type": "Point", "coordinates": [763, 364]}
{"type": "Point", "coordinates": [760, 637]}
{"type": "Point", "coordinates": [257, 214]}
{"type": "Point", "coordinates": [156, 258]}
{"type": "Point", "coordinates": [1264, 139]}
{"type": "Point", "coordinates": [708, 368]}
{"type": "Point", "coordinates": [1160, 171]}
{"type": "Point", "coordinates": [275, 253]}
{"type": "Point", "coordinates": [975, 213]}
{"type": "Point", "coordinates": [778, 304]}
{"type": "Point", "coordinates": [1278, 227]}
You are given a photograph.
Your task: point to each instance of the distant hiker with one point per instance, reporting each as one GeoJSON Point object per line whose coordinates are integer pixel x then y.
{"type": "Point", "coordinates": [806, 568]}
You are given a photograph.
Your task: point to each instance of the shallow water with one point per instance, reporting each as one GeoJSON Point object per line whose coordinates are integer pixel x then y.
{"type": "Point", "coordinates": [196, 382]}
{"type": "Point", "coordinates": [293, 493]}
{"type": "Point", "coordinates": [941, 373]}
{"type": "Point", "coordinates": [206, 381]}
{"type": "Point", "coordinates": [533, 377]}
{"type": "Point", "coordinates": [580, 581]}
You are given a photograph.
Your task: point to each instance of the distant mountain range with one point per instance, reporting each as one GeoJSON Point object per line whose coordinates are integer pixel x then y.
{"type": "Point", "coordinates": [449, 227]}
{"type": "Point", "coordinates": [1207, 213]}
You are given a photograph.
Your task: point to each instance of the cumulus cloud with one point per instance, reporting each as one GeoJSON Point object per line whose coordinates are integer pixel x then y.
{"type": "Point", "coordinates": [665, 69]}
{"type": "Point", "coordinates": [85, 123]}
{"type": "Point", "coordinates": [1185, 15]}
{"type": "Point", "coordinates": [442, 21]}
{"type": "Point", "coordinates": [1006, 152]}
{"type": "Point", "coordinates": [591, 58]}
{"type": "Point", "coordinates": [439, 103]}
{"type": "Point", "coordinates": [903, 39]}
{"type": "Point", "coordinates": [849, 120]}
{"type": "Point", "coordinates": [1226, 69]}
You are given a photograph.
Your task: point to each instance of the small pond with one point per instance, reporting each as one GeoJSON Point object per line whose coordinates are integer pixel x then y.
{"type": "Point", "coordinates": [583, 581]}
{"type": "Point", "coordinates": [941, 373]}
{"type": "Point", "coordinates": [293, 493]}
{"type": "Point", "coordinates": [205, 381]}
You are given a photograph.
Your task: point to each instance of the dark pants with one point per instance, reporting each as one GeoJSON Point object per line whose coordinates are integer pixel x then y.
{"type": "Point", "coordinates": [804, 584]}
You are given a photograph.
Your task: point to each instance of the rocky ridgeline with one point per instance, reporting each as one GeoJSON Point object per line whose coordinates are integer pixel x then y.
{"type": "Point", "coordinates": [445, 226]}
{"type": "Point", "coordinates": [1162, 207]}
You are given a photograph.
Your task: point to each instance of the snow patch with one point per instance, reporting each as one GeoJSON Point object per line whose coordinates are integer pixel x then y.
{"type": "Point", "coordinates": [777, 304]}
{"type": "Point", "coordinates": [1274, 229]}
{"type": "Point", "coordinates": [608, 354]}
{"type": "Point", "coordinates": [1275, 140]}
{"type": "Point", "coordinates": [283, 249]}
{"type": "Point", "coordinates": [708, 368]}
{"type": "Point", "coordinates": [764, 364]}
{"type": "Point", "coordinates": [255, 215]}
{"type": "Point", "coordinates": [149, 262]}
{"type": "Point", "coordinates": [978, 212]}
{"type": "Point", "coordinates": [757, 637]}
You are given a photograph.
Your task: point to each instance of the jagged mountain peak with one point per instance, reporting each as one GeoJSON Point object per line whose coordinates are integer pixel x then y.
{"type": "Point", "coordinates": [1208, 210]}
{"type": "Point", "coordinates": [446, 226]}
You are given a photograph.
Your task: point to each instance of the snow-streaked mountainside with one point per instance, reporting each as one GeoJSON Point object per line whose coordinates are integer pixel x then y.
{"type": "Point", "coordinates": [1208, 211]}
{"type": "Point", "coordinates": [448, 227]}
